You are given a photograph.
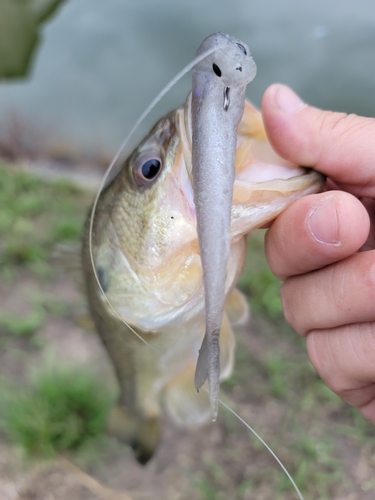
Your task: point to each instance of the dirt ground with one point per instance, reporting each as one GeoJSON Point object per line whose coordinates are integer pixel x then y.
{"type": "Point", "coordinates": [184, 458]}
{"type": "Point", "coordinates": [330, 452]}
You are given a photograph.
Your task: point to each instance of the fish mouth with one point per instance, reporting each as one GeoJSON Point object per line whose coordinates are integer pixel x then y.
{"type": "Point", "coordinates": [265, 183]}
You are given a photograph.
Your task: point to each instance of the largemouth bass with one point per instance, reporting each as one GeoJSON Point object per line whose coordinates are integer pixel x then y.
{"type": "Point", "coordinates": [147, 258]}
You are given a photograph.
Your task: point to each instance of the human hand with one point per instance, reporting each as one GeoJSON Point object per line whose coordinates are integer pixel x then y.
{"type": "Point", "coordinates": [328, 293]}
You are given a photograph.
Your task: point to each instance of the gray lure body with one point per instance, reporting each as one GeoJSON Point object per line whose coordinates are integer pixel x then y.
{"type": "Point", "coordinates": [218, 97]}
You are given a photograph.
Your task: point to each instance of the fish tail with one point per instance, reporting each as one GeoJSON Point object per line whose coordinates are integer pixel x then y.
{"type": "Point", "coordinates": [141, 433]}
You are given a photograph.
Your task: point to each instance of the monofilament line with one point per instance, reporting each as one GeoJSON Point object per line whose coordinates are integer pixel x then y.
{"type": "Point", "coordinates": [146, 112]}
{"type": "Point", "coordinates": [265, 445]}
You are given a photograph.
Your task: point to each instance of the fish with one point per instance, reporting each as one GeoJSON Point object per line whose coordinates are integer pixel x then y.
{"type": "Point", "coordinates": [143, 268]}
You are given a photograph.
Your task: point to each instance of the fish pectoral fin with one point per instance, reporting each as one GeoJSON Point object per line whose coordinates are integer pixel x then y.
{"type": "Point", "coordinates": [186, 406]}
{"type": "Point", "coordinates": [141, 433]}
{"type": "Point", "coordinates": [237, 308]}
{"type": "Point", "coordinates": [201, 370]}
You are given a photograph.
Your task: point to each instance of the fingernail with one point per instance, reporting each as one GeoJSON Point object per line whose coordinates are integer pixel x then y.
{"type": "Point", "coordinates": [322, 222]}
{"type": "Point", "coordinates": [287, 101]}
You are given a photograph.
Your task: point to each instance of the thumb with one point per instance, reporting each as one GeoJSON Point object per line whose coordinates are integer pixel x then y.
{"type": "Point", "coordinates": [340, 146]}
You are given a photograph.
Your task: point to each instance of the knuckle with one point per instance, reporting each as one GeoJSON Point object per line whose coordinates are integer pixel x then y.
{"type": "Point", "coordinates": [290, 309]}
{"type": "Point", "coordinates": [324, 361]}
{"type": "Point", "coordinates": [343, 356]}
{"type": "Point", "coordinates": [276, 251]}
{"type": "Point", "coordinates": [343, 125]}
{"type": "Point", "coordinates": [342, 129]}
{"type": "Point", "coordinates": [281, 242]}
{"type": "Point", "coordinates": [369, 280]}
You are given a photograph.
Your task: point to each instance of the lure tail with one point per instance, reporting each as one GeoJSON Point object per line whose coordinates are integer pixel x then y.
{"type": "Point", "coordinates": [208, 367]}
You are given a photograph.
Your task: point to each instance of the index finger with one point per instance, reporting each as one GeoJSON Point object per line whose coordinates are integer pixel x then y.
{"type": "Point", "coordinates": [340, 146]}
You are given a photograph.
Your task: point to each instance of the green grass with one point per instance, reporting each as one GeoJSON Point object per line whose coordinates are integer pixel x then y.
{"type": "Point", "coordinates": [62, 410]}
{"type": "Point", "coordinates": [35, 215]}
{"type": "Point", "coordinates": [22, 326]}
{"type": "Point", "coordinates": [312, 427]}
{"type": "Point", "coordinates": [25, 325]}
{"type": "Point", "coordinates": [309, 427]}
{"type": "Point", "coordinates": [257, 281]}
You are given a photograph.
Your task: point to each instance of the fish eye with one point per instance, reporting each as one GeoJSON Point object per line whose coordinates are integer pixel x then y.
{"type": "Point", "coordinates": [150, 168]}
{"type": "Point", "coordinates": [242, 48]}
{"type": "Point", "coordinates": [146, 169]}
{"type": "Point", "coordinates": [216, 69]}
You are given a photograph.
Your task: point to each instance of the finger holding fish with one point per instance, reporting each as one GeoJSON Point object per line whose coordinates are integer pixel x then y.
{"type": "Point", "coordinates": [331, 142]}
{"type": "Point", "coordinates": [331, 268]}
{"type": "Point", "coordinates": [316, 232]}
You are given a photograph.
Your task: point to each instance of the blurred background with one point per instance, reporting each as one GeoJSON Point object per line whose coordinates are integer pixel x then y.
{"type": "Point", "coordinates": [96, 65]}
{"type": "Point", "coordinates": [74, 77]}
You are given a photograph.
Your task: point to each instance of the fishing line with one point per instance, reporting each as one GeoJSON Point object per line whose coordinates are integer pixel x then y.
{"type": "Point", "coordinates": [265, 445]}
{"type": "Point", "coordinates": [146, 112]}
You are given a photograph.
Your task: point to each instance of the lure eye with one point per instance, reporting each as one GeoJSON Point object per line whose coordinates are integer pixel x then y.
{"type": "Point", "coordinates": [216, 69]}
{"type": "Point", "coordinates": [242, 48]}
{"type": "Point", "coordinates": [146, 169]}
